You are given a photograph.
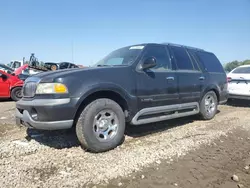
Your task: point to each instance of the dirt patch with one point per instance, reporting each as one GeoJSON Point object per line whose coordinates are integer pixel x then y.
{"type": "Point", "coordinates": [42, 174]}
{"type": "Point", "coordinates": [211, 166]}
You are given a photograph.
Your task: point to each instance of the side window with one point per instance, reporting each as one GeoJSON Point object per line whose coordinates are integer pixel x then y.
{"type": "Point", "coordinates": [162, 58]}
{"type": "Point", "coordinates": [182, 59]}
{"type": "Point", "coordinates": [210, 61]}
{"type": "Point", "coordinates": [195, 61]}
{"type": "Point", "coordinates": [64, 65]}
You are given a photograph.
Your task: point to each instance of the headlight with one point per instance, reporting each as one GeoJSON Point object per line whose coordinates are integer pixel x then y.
{"type": "Point", "coordinates": [51, 88]}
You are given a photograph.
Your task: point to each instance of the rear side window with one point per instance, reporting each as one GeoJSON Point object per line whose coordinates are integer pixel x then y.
{"type": "Point", "coordinates": [182, 59]}
{"type": "Point", "coordinates": [210, 61]}
{"type": "Point", "coordinates": [242, 70]}
{"type": "Point", "coordinates": [194, 60]}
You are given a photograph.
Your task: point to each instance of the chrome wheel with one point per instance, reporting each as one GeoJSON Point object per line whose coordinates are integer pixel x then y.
{"type": "Point", "coordinates": [210, 104]}
{"type": "Point", "coordinates": [105, 125]}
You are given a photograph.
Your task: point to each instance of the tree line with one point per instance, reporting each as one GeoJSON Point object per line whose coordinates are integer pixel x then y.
{"type": "Point", "coordinates": [231, 65]}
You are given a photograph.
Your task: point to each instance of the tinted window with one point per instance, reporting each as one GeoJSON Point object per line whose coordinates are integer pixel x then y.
{"type": "Point", "coordinates": [194, 60]}
{"type": "Point", "coordinates": [64, 65]}
{"type": "Point", "coordinates": [242, 70]}
{"type": "Point", "coordinates": [210, 61]}
{"type": "Point", "coordinates": [162, 58]}
{"type": "Point", "coordinates": [182, 60]}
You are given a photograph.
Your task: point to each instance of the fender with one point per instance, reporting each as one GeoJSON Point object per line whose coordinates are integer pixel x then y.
{"type": "Point", "coordinates": [17, 84]}
{"type": "Point", "coordinates": [130, 99]}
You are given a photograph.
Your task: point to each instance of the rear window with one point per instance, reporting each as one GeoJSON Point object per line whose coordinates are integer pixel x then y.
{"type": "Point", "coordinates": [210, 61]}
{"type": "Point", "coordinates": [242, 70]}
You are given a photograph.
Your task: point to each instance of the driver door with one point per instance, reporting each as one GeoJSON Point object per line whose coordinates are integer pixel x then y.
{"type": "Point", "coordinates": [4, 85]}
{"type": "Point", "coordinates": [157, 86]}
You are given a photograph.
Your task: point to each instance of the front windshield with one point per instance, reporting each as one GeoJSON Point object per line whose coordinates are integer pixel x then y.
{"type": "Point", "coordinates": [123, 56]}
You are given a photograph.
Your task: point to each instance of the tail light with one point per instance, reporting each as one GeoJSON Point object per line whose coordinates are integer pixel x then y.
{"type": "Point", "coordinates": [229, 79]}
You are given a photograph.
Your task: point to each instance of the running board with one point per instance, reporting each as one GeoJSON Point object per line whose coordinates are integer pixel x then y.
{"type": "Point", "coordinates": [165, 113]}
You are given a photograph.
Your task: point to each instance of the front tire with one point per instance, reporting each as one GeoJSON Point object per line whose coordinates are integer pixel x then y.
{"type": "Point", "coordinates": [16, 93]}
{"type": "Point", "coordinates": [101, 125]}
{"type": "Point", "coordinates": [208, 106]}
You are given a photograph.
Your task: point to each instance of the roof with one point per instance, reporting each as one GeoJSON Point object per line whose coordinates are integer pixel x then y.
{"type": "Point", "coordinates": [244, 66]}
{"type": "Point", "coordinates": [170, 44]}
{"type": "Point", "coordinates": [184, 46]}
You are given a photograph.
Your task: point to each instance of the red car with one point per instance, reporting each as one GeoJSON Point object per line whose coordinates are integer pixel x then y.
{"type": "Point", "coordinates": [10, 86]}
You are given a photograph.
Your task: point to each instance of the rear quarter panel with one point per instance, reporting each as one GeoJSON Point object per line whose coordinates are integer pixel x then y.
{"type": "Point", "coordinates": [217, 82]}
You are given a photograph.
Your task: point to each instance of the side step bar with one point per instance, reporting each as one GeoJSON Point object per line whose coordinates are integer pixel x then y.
{"type": "Point", "coordinates": [172, 110]}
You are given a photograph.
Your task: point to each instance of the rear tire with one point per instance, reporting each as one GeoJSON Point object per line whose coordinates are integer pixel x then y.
{"type": "Point", "coordinates": [16, 93]}
{"type": "Point", "coordinates": [101, 126]}
{"type": "Point", "coordinates": [208, 105]}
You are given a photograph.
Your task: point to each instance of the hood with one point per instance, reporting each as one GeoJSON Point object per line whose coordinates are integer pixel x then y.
{"type": "Point", "coordinates": [60, 72]}
{"type": "Point", "coordinates": [51, 76]}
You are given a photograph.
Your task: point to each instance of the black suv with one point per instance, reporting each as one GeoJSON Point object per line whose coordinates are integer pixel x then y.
{"type": "Point", "coordinates": [137, 84]}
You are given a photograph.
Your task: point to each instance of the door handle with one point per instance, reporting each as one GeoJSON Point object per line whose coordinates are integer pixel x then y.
{"type": "Point", "coordinates": [170, 78]}
{"type": "Point", "coordinates": [202, 78]}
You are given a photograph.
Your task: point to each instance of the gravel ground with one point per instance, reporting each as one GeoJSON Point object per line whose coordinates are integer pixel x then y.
{"type": "Point", "coordinates": [211, 167]}
{"type": "Point", "coordinates": [31, 158]}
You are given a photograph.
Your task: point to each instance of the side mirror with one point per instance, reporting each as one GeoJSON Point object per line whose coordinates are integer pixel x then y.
{"type": "Point", "coordinates": [148, 63]}
{"type": "Point", "coordinates": [3, 76]}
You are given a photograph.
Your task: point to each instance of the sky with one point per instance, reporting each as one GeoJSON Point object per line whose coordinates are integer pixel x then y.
{"type": "Point", "coordinates": [84, 31]}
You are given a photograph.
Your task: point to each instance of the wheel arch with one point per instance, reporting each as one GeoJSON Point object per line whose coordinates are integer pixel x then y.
{"type": "Point", "coordinates": [213, 88]}
{"type": "Point", "coordinates": [15, 87]}
{"type": "Point", "coordinates": [116, 95]}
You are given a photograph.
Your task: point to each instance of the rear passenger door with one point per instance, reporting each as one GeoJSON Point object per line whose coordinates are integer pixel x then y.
{"type": "Point", "coordinates": [189, 74]}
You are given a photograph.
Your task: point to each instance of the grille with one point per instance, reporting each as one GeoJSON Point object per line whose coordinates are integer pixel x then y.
{"type": "Point", "coordinates": [29, 89]}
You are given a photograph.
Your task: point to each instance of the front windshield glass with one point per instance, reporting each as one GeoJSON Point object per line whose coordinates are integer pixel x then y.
{"type": "Point", "coordinates": [121, 57]}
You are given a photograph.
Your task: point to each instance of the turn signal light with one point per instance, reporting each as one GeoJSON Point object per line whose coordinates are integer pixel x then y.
{"type": "Point", "coordinates": [60, 88]}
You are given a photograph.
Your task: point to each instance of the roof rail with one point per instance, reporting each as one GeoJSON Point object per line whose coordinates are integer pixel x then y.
{"type": "Point", "coordinates": [184, 46]}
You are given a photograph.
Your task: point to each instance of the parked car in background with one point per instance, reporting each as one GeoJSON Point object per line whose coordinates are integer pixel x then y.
{"type": "Point", "coordinates": [6, 68]}
{"type": "Point", "coordinates": [137, 84]}
{"type": "Point", "coordinates": [61, 65]}
{"type": "Point", "coordinates": [239, 83]}
{"type": "Point", "coordinates": [10, 86]}
{"type": "Point", "coordinates": [15, 64]}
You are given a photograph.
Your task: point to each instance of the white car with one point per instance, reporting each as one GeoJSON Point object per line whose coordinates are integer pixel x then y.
{"type": "Point", "coordinates": [239, 83]}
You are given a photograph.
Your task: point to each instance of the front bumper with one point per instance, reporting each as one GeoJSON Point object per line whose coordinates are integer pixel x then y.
{"type": "Point", "coordinates": [45, 114]}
